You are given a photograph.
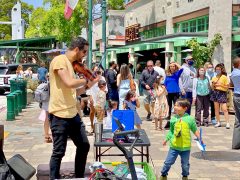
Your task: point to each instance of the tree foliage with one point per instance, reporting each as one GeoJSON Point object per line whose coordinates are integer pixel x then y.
{"type": "Point", "coordinates": [51, 22]}
{"type": "Point", "coordinates": [203, 53]}
{"type": "Point", "coordinates": [116, 4]}
{"type": "Point", "coordinates": [5, 15]}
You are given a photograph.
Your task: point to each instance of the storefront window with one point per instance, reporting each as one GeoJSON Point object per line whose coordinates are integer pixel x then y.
{"type": "Point", "coordinates": [193, 25]}
{"type": "Point", "coordinates": [185, 27]}
{"type": "Point", "coordinates": [201, 25]}
{"type": "Point", "coordinates": [236, 22]}
{"type": "Point", "coordinates": [207, 23]}
{"type": "Point", "coordinates": [156, 32]}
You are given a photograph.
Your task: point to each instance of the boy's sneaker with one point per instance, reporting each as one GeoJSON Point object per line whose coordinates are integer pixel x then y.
{"type": "Point", "coordinates": [228, 126]}
{"type": "Point", "coordinates": [214, 121]}
{"type": "Point", "coordinates": [218, 125]}
{"type": "Point", "coordinates": [163, 178]}
{"type": "Point", "coordinates": [184, 178]}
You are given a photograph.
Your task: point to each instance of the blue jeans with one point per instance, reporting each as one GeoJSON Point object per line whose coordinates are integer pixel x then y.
{"type": "Point", "coordinates": [188, 96]}
{"type": "Point", "coordinates": [113, 94]}
{"type": "Point", "coordinates": [62, 128]}
{"type": "Point", "coordinates": [171, 158]}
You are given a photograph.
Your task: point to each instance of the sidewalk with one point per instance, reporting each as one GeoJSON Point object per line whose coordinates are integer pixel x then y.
{"type": "Point", "coordinates": [26, 138]}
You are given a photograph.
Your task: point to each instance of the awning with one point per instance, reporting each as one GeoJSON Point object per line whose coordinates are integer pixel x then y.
{"type": "Point", "coordinates": [179, 39]}
{"type": "Point", "coordinates": [31, 44]}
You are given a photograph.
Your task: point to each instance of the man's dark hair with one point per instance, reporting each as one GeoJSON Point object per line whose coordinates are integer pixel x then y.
{"type": "Point", "coordinates": [130, 65]}
{"type": "Point", "coordinates": [236, 62]}
{"type": "Point", "coordinates": [78, 42]}
{"type": "Point", "coordinates": [111, 63]}
{"type": "Point", "coordinates": [183, 103]}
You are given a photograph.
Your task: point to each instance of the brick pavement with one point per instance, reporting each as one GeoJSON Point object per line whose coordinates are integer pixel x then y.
{"type": "Point", "coordinates": [26, 138]}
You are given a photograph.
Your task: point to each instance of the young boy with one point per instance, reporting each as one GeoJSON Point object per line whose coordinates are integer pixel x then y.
{"type": "Point", "coordinates": [100, 101]}
{"type": "Point", "coordinates": [180, 138]}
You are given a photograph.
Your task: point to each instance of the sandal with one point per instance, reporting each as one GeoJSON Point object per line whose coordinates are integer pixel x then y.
{"type": "Point", "coordinates": [48, 140]}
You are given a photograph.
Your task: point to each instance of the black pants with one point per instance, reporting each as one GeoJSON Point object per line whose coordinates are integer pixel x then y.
{"type": "Point", "coordinates": [202, 103]}
{"type": "Point", "coordinates": [171, 98]}
{"type": "Point", "coordinates": [212, 109]}
{"type": "Point", "coordinates": [62, 128]}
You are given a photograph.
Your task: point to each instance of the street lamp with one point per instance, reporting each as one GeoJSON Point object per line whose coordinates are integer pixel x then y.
{"type": "Point", "coordinates": [169, 55]}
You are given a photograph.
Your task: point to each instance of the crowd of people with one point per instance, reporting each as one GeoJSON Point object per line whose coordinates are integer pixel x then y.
{"type": "Point", "coordinates": [178, 88]}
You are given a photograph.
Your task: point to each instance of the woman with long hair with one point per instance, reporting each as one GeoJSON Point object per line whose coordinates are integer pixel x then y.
{"type": "Point", "coordinates": [171, 83]}
{"type": "Point", "coordinates": [201, 91]}
{"type": "Point", "coordinates": [220, 85]}
{"type": "Point", "coordinates": [123, 83]}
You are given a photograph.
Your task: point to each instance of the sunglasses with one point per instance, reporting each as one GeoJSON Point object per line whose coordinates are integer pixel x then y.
{"type": "Point", "coordinates": [149, 65]}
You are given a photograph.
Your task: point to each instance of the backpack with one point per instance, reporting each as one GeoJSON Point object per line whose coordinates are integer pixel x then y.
{"type": "Point", "coordinates": [42, 92]}
{"type": "Point", "coordinates": [182, 136]}
{"type": "Point", "coordinates": [5, 172]}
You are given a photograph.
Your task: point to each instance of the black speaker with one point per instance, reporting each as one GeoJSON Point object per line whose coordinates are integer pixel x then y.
{"type": "Point", "coordinates": [20, 168]}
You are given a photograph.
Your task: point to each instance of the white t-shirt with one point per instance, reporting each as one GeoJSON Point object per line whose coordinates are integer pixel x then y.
{"type": "Point", "coordinates": [160, 71]}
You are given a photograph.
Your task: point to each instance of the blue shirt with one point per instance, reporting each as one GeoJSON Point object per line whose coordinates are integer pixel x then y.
{"type": "Point", "coordinates": [235, 77]}
{"type": "Point", "coordinates": [171, 82]}
{"type": "Point", "coordinates": [203, 87]}
{"type": "Point", "coordinates": [42, 74]}
{"type": "Point", "coordinates": [210, 75]}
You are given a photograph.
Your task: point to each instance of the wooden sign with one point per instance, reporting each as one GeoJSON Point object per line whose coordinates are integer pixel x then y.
{"type": "Point", "coordinates": [132, 33]}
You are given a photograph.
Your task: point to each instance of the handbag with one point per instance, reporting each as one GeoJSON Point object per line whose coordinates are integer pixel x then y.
{"type": "Point", "coordinates": [5, 172]}
{"type": "Point", "coordinates": [213, 83]}
{"type": "Point", "coordinates": [132, 85]}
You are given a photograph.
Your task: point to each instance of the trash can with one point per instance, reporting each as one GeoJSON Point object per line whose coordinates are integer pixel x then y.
{"type": "Point", "coordinates": [19, 97]}
{"type": "Point", "coordinates": [15, 103]}
{"type": "Point", "coordinates": [13, 85]}
{"type": "Point", "coordinates": [22, 85]}
{"type": "Point", "coordinates": [10, 107]}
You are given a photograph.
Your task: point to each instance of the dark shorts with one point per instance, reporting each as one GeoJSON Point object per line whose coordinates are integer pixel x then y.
{"type": "Point", "coordinates": [219, 96]}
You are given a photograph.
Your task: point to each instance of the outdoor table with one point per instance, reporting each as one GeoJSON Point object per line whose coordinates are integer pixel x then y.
{"type": "Point", "coordinates": [139, 147]}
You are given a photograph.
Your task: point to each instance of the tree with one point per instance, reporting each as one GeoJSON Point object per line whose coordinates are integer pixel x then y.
{"type": "Point", "coordinates": [203, 52]}
{"type": "Point", "coordinates": [5, 15]}
{"type": "Point", "coordinates": [51, 22]}
{"type": "Point", "coordinates": [116, 4]}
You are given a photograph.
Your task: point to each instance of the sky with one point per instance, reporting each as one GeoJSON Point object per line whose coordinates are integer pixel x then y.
{"type": "Point", "coordinates": [35, 3]}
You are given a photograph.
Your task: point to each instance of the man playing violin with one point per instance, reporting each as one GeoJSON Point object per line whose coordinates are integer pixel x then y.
{"type": "Point", "coordinates": [64, 118]}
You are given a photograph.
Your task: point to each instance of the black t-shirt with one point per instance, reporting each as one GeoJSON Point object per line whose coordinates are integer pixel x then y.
{"type": "Point", "coordinates": [111, 78]}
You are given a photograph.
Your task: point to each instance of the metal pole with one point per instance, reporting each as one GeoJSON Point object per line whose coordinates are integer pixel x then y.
{"type": "Point", "coordinates": [104, 39]}
{"type": "Point", "coordinates": [90, 33]}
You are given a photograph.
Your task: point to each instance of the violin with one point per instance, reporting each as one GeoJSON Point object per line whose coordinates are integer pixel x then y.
{"type": "Point", "coordinates": [80, 68]}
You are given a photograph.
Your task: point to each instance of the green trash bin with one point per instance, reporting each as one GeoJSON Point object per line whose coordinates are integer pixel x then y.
{"type": "Point", "coordinates": [22, 85]}
{"type": "Point", "coordinates": [19, 93]}
{"type": "Point", "coordinates": [13, 85]}
{"type": "Point", "coordinates": [15, 103]}
{"type": "Point", "coordinates": [10, 107]}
